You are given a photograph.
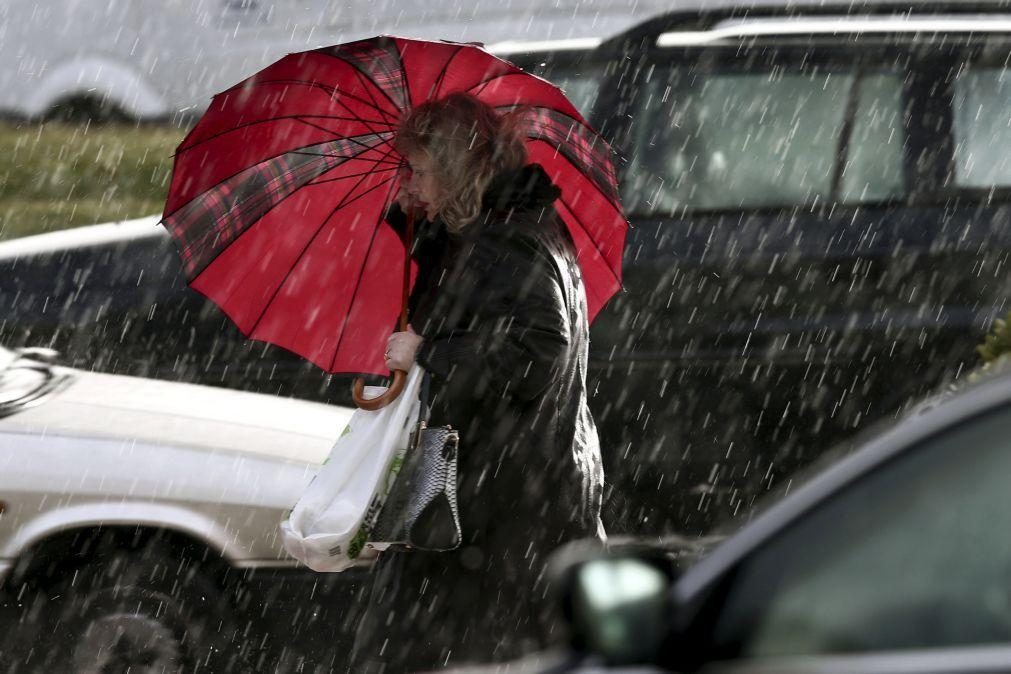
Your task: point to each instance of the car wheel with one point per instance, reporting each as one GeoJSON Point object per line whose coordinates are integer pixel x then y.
{"type": "Point", "coordinates": [141, 612]}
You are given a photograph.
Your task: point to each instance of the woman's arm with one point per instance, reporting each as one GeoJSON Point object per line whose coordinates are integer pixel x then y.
{"type": "Point", "coordinates": [428, 237]}
{"type": "Point", "coordinates": [519, 338]}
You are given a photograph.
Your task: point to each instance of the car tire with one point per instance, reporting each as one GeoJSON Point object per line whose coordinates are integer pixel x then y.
{"type": "Point", "coordinates": [141, 611]}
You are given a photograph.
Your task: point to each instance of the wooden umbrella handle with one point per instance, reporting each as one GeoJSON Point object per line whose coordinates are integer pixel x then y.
{"type": "Point", "coordinates": [380, 401]}
{"type": "Point", "coordinates": [399, 376]}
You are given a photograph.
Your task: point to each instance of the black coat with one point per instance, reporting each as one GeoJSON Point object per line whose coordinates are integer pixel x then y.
{"type": "Point", "coordinates": [502, 311]}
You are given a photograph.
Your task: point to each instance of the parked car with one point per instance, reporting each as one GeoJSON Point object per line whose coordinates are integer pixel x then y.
{"type": "Point", "coordinates": [152, 59]}
{"type": "Point", "coordinates": [139, 520]}
{"type": "Point", "coordinates": [893, 559]}
{"type": "Point", "coordinates": [819, 196]}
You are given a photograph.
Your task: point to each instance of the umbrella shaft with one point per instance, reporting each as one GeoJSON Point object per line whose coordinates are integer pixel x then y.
{"type": "Point", "coordinates": [409, 242]}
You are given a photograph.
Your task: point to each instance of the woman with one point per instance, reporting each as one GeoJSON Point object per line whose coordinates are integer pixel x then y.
{"type": "Point", "coordinates": [498, 317]}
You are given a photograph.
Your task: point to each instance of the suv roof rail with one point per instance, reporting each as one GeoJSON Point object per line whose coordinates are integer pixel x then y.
{"type": "Point", "coordinates": [717, 12]}
{"type": "Point", "coordinates": [568, 44]}
{"type": "Point", "coordinates": [834, 25]}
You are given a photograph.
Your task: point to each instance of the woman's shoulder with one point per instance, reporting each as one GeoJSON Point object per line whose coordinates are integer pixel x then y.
{"type": "Point", "coordinates": [521, 242]}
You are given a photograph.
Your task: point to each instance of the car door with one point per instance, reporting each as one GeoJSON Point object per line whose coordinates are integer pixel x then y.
{"type": "Point", "coordinates": [904, 569]}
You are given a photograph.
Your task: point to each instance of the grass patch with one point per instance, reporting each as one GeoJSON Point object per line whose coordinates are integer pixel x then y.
{"type": "Point", "coordinates": [57, 175]}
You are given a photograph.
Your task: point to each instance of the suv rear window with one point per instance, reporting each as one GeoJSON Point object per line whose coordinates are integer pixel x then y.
{"type": "Point", "coordinates": [728, 129]}
{"type": "Point", "coordinates": [981, 99]}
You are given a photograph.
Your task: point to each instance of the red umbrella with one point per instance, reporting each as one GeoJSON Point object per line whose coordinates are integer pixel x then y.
{"type": "Point", "coordinates": [278, 193]}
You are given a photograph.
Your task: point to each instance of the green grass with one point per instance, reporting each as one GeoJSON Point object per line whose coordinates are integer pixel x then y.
{"type": "Point", "coordinates": [61, 175]}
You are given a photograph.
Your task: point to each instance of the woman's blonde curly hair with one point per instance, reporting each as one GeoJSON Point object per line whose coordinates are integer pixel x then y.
{"type": "Point", "coordinates": [469, 143]}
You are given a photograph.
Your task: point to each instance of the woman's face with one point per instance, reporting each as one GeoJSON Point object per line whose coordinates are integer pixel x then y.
{"type": "Point", "coordinates": [423, 184]}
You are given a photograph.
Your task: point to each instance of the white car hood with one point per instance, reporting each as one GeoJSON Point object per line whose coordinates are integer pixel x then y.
{"type": "Point", "coordinates": [160, 412]}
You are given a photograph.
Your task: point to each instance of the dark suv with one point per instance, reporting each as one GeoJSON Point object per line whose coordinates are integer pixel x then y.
{"type": "Point", "coordinates": [821, 224]}
{"type": "Point", "coordinates": [821, 210]}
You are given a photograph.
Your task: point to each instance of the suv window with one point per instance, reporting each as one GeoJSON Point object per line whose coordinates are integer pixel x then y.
{"type": "Point", "coordinates": [911, 556]}
{"type": "Point", "coordinates": [981, 99]}
{"type": "Point", "coordinates": [729, 129]}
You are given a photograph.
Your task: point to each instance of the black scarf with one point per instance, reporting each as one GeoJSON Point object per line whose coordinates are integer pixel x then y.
{"type": "Point", "coordinates": [526, 189]}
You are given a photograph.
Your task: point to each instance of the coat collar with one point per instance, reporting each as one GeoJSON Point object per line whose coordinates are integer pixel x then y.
{"type": "Point", "coordinates": [525, 189]}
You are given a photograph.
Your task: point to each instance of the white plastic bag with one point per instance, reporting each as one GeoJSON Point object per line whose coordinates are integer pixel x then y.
{"type": "Point", "coordinates": [328, 527]}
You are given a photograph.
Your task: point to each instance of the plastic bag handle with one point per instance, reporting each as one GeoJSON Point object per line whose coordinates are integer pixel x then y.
{"type": "Point", "coordinates": [380, 401]}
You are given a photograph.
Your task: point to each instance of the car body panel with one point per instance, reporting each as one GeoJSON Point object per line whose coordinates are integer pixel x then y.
{"type": "Point", "coordinates": [145, 410]}
{"type": "Point", "coordinates": [218, 466]}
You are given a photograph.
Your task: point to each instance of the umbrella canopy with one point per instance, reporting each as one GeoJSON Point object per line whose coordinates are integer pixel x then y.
{"type": "Point", "coordinates": [278, 193]}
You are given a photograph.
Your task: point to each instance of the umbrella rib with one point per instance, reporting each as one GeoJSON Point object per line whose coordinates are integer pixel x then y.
{"type": "Point", "coordinates": [305, 120]}
{"type": "Point", "coordinates": [221, 182]}
{"type": "Point", "coordinates": [578, 120]}
{"type": "Point", "coordinates": [616, 207]}
{"type": "Point", "coordinates": [403, 71]}
{"type": "Point", "coordinates": [388, 126]}
{"type": "Point", "coordinates": [485, 83]}
{"type": "Point", "coordinates": [368, 90]}
{"type": "Point", "coordinates": [512, 106]}
{"type": "Point", "coordinates": [581, 123]}
{"type": "Point", "coordinates": [364, 74]}
{"type": "Point", "coordinates": [596, 246]}
{"type": "Point", "coordinates": [266, 307]}
{"type": "Point", "coordinates": [328, 90]}
{"type": "Point", "coordinates": [353, 175]}
{"type": "Point", "coordinates": [353, 139]}
{"type": "Point", "coordinates": [358, 283]}
{"type": "Point", "coordinates": [297, 118]}
{"type": "Point", "coordinates": [344, 201]}
{"type": "Point", "coordinates": [338, 118]}
{"type": "Point", "coordinates": [392, 164]}
{"type": "Point", "coordinates": [445, 69]}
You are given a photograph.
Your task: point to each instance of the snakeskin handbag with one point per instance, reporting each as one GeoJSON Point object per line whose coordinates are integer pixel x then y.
{"type": "Point", "coordinates": [421, 510]}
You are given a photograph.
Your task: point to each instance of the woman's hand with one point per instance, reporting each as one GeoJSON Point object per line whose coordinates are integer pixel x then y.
{"type": "Point", "coordinates": [404, 199]}
{"type": "Point", "coordinates": [401, 349]}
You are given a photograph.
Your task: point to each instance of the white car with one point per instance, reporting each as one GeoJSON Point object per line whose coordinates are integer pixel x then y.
{"type": "Point", "coordinates": [132, 509]}
{"type": "Point", "coordinates": [161, 58]}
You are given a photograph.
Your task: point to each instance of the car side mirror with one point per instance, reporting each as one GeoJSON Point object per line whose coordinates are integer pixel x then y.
{"type": "Point", "coordinates": [617, 602]}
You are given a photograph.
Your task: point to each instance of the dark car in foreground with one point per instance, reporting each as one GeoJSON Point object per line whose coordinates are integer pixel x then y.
{"type": "Point", "coordinates": [894, 559]}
